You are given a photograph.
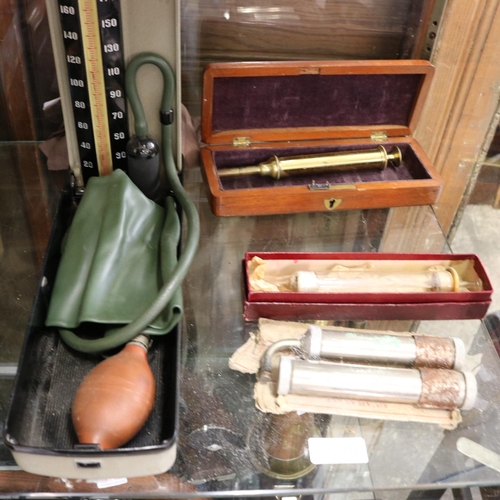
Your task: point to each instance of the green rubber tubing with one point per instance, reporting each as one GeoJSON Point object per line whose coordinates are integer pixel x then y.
{"type": "Point", "coordinates": [115, 338]}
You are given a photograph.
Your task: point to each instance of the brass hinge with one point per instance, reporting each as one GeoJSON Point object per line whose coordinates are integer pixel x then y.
{"type": "Point", "coordinates": [241, 141]}
{"type": "Point", "coordinates": [379, 136]}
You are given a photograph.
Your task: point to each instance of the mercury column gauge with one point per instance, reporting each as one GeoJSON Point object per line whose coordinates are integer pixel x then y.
{"type": "Point", "coordinates": [93, 40]}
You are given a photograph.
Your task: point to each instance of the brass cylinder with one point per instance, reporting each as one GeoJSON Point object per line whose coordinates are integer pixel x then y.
{"type": "Point", "coordinates": [285, 442]}
{"type": "Point", "coordinates": [277, 168]}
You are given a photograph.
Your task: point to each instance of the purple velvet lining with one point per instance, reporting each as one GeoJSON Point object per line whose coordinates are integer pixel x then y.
{"type": "Point", "coordinates": [313, 101]}
{"type": "Point", "coordinates": [410, 169]}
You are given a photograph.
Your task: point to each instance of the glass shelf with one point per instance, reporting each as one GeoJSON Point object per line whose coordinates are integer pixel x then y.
{"type": "Point", "coordinates": [219, 453]}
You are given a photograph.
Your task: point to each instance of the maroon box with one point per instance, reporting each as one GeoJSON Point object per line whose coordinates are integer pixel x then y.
{"type": "Point", "coordinates": [293, 305]}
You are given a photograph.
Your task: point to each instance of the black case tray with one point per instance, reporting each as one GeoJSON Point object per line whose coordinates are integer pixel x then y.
{"type": "Point", "coordinates": [49, 373]}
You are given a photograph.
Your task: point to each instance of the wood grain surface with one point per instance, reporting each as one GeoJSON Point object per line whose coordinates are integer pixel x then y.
{"type": "Point", "coordinates": [337, 29]}
{"type": "Point", "coordinates": [19, 482]}
{"type": "Point", "coordinates": [460, 110]}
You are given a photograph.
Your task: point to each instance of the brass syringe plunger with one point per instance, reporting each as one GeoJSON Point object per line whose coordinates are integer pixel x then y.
{"type": "Point", "coordinates": [277, 168]}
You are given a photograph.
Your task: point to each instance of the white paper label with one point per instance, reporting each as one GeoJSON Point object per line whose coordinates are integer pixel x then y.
{"type": "Point", "coordinates": [349, 450]}
{"type": "Point", "coordinates": [108, 483]}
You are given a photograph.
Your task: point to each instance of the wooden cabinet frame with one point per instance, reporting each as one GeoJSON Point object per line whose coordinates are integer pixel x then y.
{"type": "Point", "coordinates": [461, 112]}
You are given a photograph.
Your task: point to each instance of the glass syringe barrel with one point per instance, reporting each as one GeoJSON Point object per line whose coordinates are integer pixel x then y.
{"type": "Point", "coordinates": [376, 281]}
{"type": "Point", "coordinates": [277, 168]}
{"type": "Point", "coordinates": [446, 389]}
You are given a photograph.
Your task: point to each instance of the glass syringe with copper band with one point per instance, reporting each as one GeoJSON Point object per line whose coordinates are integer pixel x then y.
{"type": "Point", "coordinates": [377, 348]}
{"type": "Point", "coordinates": [416, 369]}
{"type": "Point", "coordinates": [377, 158]}
{"type": "Point", "coordinates": [423, 387]}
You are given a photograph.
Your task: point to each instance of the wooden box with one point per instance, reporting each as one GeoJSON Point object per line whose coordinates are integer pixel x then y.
{"type": "Point", "coordinates": [366, 304]}
{"type": "Point", "coordinates": [254, 111]}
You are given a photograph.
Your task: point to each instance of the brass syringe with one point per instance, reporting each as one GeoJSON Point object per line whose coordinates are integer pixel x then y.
{"type": "Point", "coordinates": [277, 168]}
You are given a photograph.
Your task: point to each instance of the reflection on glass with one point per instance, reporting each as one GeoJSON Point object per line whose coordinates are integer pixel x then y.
{"type": "Point", "coordinates": [222, 31]}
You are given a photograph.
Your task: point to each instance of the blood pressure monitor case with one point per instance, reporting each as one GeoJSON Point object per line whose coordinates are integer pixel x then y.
{"type": "Point", "coordinates": [256, 110]}
{"type": "Point", "coordinates": [38, 429]}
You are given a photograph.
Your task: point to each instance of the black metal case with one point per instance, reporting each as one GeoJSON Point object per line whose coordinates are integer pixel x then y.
{"type": "Point", "coordinates": [38, 429]}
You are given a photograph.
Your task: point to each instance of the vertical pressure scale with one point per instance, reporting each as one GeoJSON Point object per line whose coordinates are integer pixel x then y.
{"type": "Point", "coordinates": [91, 31]}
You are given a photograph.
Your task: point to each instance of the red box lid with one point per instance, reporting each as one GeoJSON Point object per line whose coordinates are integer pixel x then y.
{"type": "Point", "coordinates": [382, 299]}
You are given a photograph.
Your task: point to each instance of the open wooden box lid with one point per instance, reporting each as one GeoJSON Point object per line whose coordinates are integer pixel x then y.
{"type": "Point", "coordinates": [272, 101]}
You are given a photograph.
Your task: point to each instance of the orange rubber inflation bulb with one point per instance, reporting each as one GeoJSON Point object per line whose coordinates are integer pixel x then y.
{"type": "Point", "coordinates": [115, 399]}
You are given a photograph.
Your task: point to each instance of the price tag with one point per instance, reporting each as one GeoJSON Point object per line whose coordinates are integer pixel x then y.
{"type": "Point", "coordinates": [348, 450]}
